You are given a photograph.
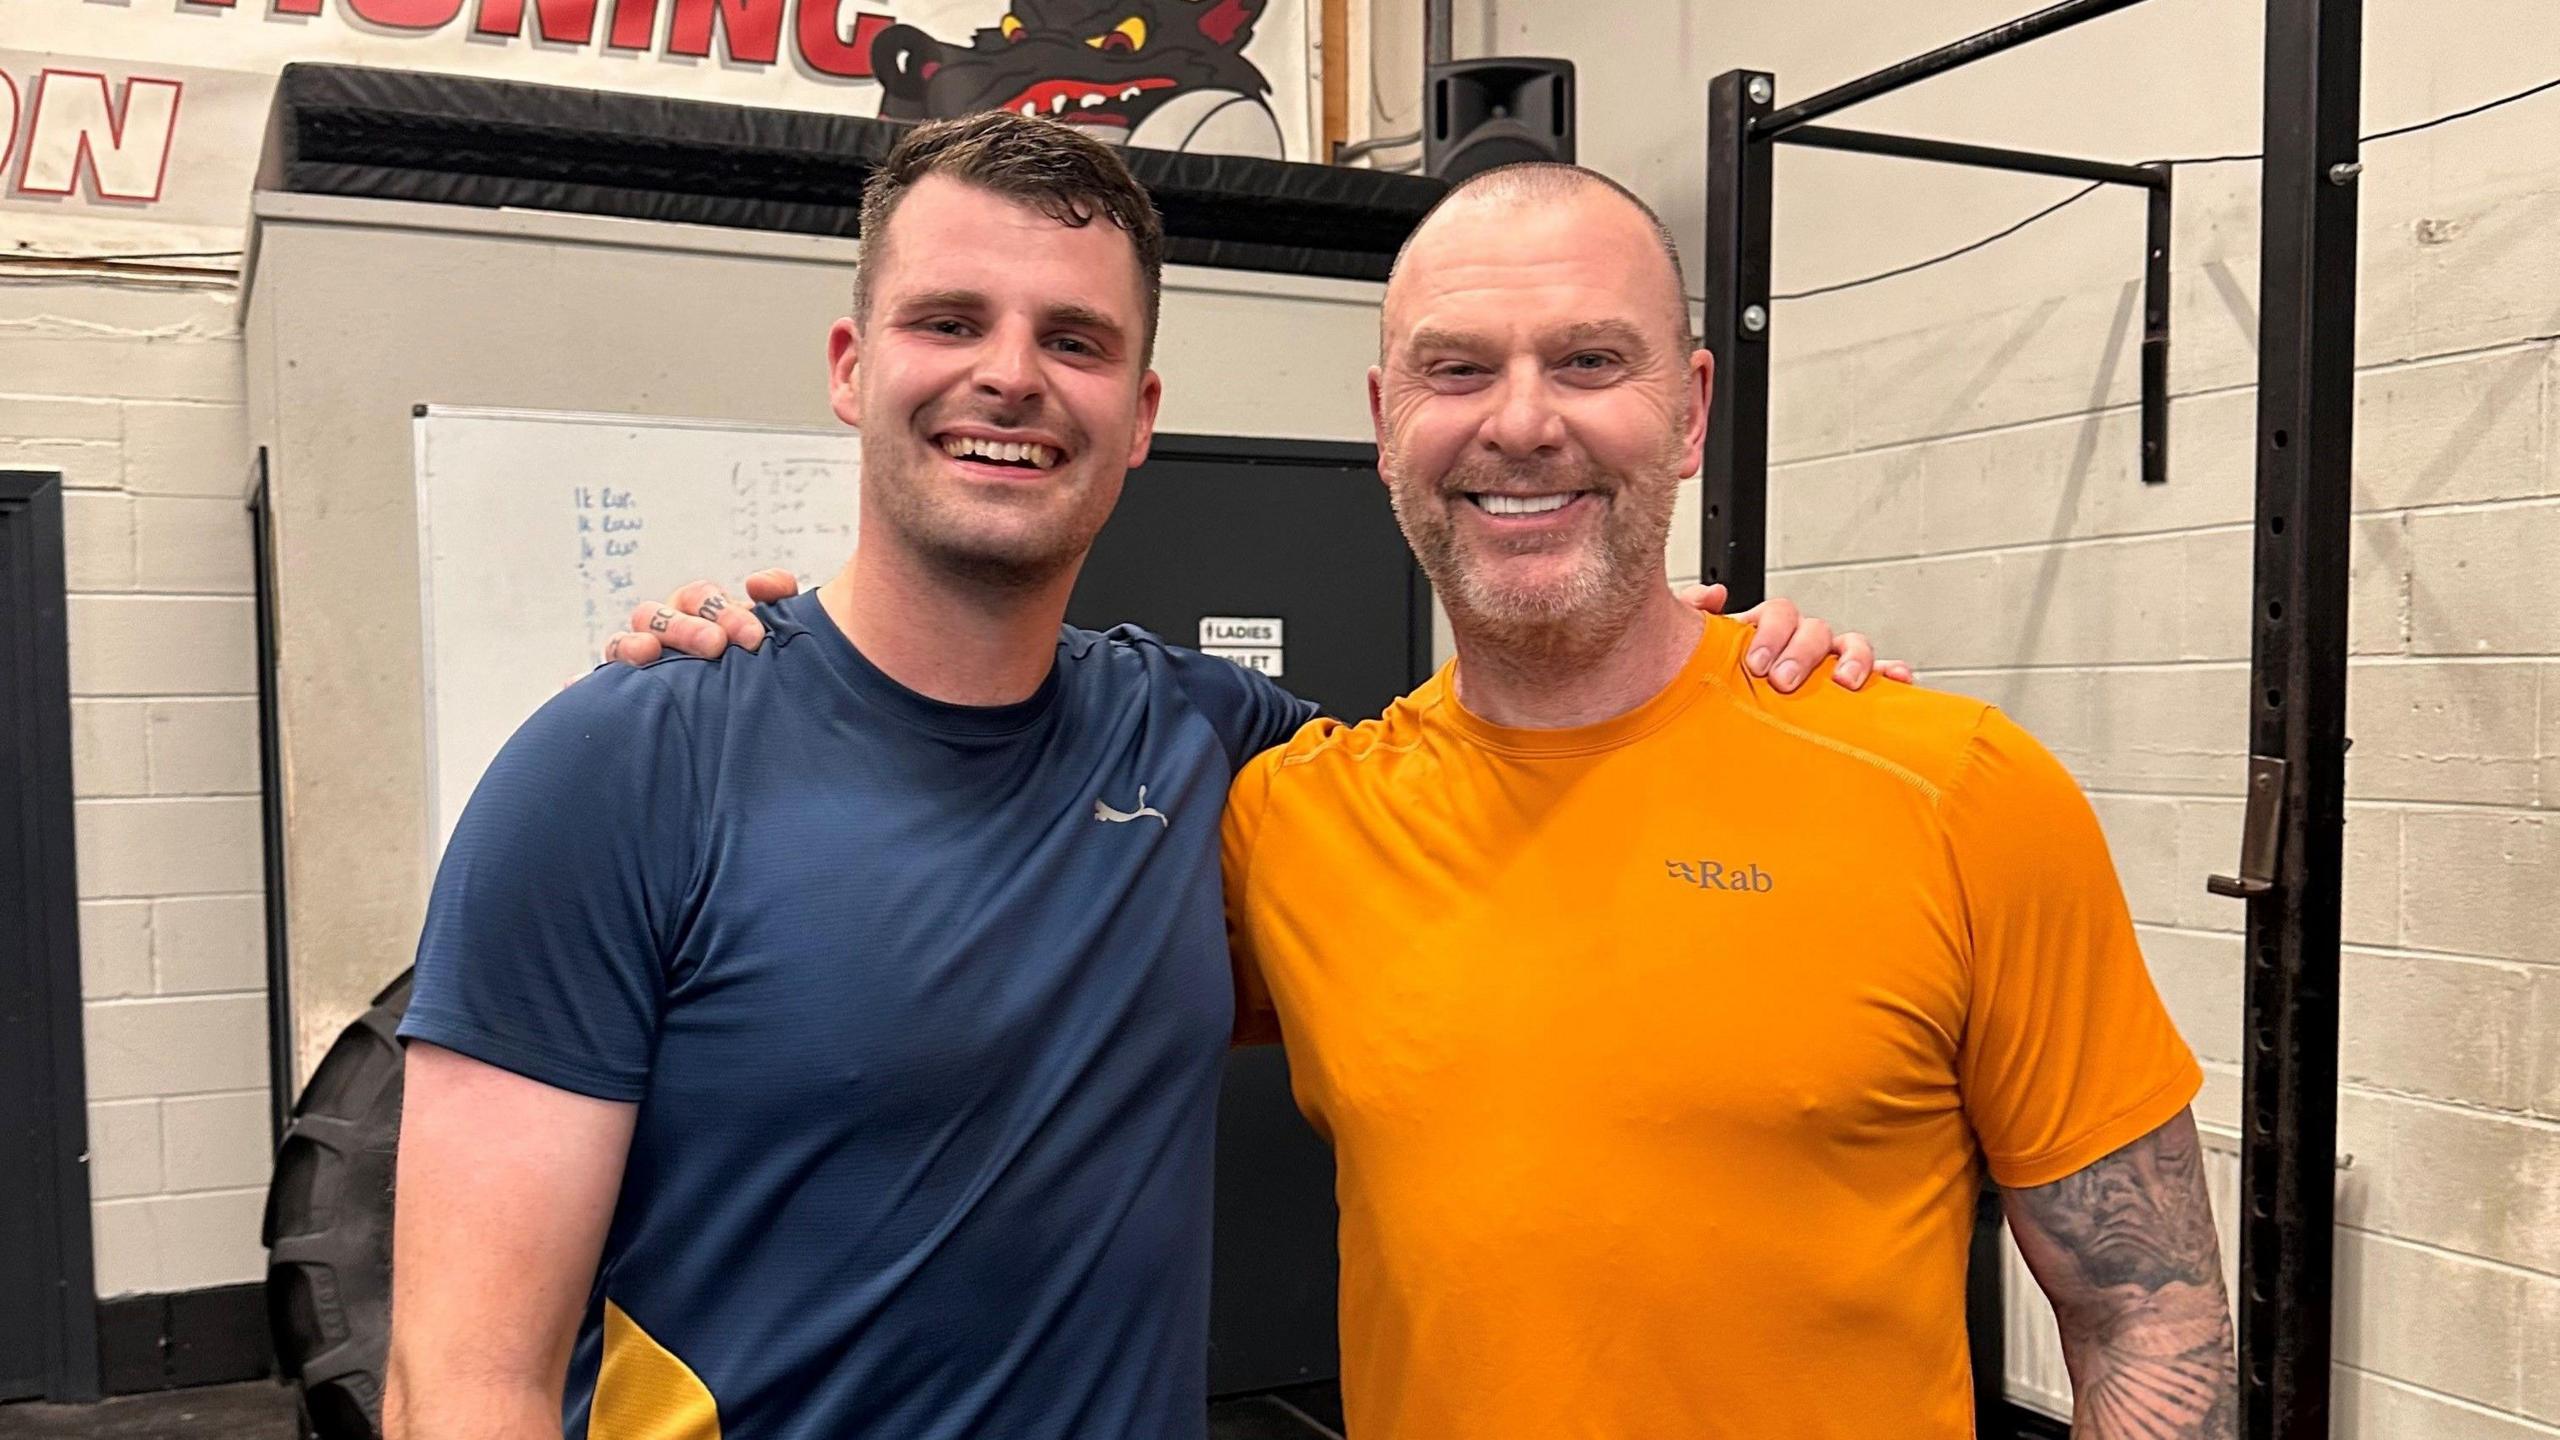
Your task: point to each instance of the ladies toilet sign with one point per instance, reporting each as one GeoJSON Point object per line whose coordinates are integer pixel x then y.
{"type": "Point", "coordinates": [1252, 642]}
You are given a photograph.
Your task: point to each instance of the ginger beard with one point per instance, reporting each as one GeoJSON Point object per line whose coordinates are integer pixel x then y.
{"type": "Point", "coordinates": [1550, 590]}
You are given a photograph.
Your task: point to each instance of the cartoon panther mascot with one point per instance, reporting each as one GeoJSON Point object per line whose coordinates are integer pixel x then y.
{"type": "Point", "coordinates": [1163, 74]}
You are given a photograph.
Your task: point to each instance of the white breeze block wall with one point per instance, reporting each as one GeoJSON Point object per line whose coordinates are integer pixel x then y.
{"type": "Point", "coordinates": [1957, 469]}
{"type": "Point", "coordinates": [134, 392]}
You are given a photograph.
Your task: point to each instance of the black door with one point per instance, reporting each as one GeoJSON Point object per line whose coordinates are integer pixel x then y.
{"type": "Point", "coordinates": [48, 1317]}
{"type": "Point", "coordinates": [1247, 532]}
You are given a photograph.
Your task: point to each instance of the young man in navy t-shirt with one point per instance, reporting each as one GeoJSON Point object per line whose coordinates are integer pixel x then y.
{"type": "Point", "coordinates": [799, 1049]}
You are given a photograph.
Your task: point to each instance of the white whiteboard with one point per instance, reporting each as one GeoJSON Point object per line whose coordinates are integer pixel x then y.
{"type": "Point", "coordinates": [537, 533]}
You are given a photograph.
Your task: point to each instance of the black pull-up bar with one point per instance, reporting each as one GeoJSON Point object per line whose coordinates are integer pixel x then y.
{"type": "Point", "coordinates": [1936, 62]}
{"type": "Point", "coordinates": [1949, 152]}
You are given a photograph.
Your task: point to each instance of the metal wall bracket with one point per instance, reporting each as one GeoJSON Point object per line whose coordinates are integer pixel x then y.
{"type": "Point", "coordinates": [2261, 834]}
{"type": "Point", "coordinates": [2160, 221]}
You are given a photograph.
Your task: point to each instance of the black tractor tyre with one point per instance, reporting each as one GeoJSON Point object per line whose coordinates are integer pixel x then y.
{"type": "Point", "coordinates": [328, 1227]}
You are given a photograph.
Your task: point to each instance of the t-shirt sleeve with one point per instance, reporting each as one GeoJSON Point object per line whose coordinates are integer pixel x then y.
{"type": "Point", "coordinates": [2068, 1054]}
{"type": "Point", "coordinates": [1257, 1021]}
{"type": "Point", "coordinates": [548, 929]}
{"type": "Point", "coordinates": [1249, 709]}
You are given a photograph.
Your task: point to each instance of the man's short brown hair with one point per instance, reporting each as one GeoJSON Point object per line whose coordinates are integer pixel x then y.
{"type": "Point", "coordinates": [1067, 176]}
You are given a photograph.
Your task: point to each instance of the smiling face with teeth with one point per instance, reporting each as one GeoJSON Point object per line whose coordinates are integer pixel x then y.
{"type": "Point", "coordinates": [999, 382]}
{"type": "Point", "coordinates": [1537, 402]}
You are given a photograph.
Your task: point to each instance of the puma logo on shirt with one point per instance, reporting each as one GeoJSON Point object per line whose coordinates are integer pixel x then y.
{"type": "Point", "coordinates": [1108, 815]}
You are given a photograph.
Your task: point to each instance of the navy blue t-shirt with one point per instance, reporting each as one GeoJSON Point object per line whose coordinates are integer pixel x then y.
{"type": "Point", "coordinates": [924, 1008]}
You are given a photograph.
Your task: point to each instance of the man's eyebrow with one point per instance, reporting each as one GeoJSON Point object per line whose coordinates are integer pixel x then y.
{"type": "Point", "coordinates": [1432, 337]}
{"type": "Point", "coordinates": [943, 300]}
{"type": "Point", "coordinates": [1609, 332]}
{"type": "Point", "coordinates": [1617, 333]}
{"type": "Point", "coordinates": [1084, 317]}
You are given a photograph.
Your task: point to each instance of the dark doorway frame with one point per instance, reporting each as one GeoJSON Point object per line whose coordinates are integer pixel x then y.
{"type": "Point", "coordinates": [43, 1083]}
{"type": "Point", "coordinates": [281, 1087]}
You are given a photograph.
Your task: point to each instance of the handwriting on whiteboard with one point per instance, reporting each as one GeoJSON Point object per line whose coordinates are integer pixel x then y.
{"type": "Point", "coordinates": [611, 531]}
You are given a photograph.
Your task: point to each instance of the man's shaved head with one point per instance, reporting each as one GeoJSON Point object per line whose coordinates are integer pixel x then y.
{"type": "Point", "coordinates": [1537, 180]}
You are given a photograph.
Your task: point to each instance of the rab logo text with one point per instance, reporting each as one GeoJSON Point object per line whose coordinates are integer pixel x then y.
{"type": "Point", "coordinates": [1716, 875]}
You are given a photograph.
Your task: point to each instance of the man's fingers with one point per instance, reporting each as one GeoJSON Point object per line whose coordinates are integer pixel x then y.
{"type": "Point", "coordinates": [766, 586]}
{"type": "Point", "coordinates": [737, 621]}
{"type": "Point", "coordinates": [679, 632]}
{"type": "Point", "coordinates": [1810, 647]}
{"type": "Point", "coordinates": [705, 598]}
{"type": "Point", "coordinates": [1896, 670]}
{"type": "Point", "coordinates": [1707, 598]}
{"type": "Point", "coordinates": [631, 648]}
{"type": "Point", "coordinates": [1857, 659]}
{"type": "Point", "coordinates": [1775, 620]}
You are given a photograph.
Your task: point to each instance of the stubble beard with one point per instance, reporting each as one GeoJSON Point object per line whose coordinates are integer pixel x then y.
{"type": "Point", "coordinates": [941, 532]}
{"type": "Point", "coordinates": [1585, 610]}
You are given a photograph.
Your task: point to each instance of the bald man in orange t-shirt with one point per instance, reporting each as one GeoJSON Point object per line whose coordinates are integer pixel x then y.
{"type": "Point", "coordinates": [1661, 1023]}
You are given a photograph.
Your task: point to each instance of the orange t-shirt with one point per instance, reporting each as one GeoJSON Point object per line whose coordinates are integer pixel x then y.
{"type": "Point", "coordinates": [1657, 1054]}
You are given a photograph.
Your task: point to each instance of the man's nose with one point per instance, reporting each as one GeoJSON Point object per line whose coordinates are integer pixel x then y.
{"type": "Point", "coordinates": [1008, 368]}
{"type": "Point", "coordinates": [1525, 421]}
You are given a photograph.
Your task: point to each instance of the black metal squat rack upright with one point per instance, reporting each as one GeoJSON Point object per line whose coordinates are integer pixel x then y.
{"type": "Point", "coordinates": [2293, 833]}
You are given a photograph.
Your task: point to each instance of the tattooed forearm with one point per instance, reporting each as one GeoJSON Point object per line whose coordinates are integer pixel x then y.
{"type": "Point", "coordinates": [2126, 1251]}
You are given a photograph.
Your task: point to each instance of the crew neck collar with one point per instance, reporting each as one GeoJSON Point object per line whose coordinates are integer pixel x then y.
{"type": "Point", "coordinates": [874, 686]}
{"type": "Point", "coordinates": [1719, 644]}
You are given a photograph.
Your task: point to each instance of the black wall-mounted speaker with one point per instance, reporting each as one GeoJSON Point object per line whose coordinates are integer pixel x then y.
{"type": "Point", "coordinates": [1500, 111]}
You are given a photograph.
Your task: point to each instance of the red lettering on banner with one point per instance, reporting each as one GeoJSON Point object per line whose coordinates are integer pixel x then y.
{"type": "Point", "coordinates": [296, 7]}
{"type": "Point", "coordinates": [568, 22]}
{"type": "Point", "coordinates": [754, 28]}
{"type": "Point", "coordinates": [635, 24]}
{"type": "Point", "coordinates": [74, 111]}
{"type": "Point", "coordinates": [822, 41]}
{"type": "Point", "coordinates": [407, 14]}
{"type": "Point", "coordinates": [8, 121]}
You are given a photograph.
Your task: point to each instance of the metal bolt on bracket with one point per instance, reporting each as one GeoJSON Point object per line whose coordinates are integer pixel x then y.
{"type": "Point", "coordinates": [1761, 90]}
{"type": "Point", "coordinates": [1755, 318]}
{"type": "Point", "coordinates": [2340, 174]}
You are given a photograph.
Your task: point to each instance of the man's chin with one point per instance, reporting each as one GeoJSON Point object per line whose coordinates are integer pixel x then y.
{"type": "Point", "coordinates": [1008, 560]}
{"type": "Point", "coordinates": [1516, 604]}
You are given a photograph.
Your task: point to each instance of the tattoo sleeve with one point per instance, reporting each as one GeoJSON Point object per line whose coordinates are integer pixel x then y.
{"type": "Point", "coordinates": [2126, 1251]}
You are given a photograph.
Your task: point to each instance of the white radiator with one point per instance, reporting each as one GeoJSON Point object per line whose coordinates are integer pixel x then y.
{"type": "Point", "coordinates": [2036, 1377]}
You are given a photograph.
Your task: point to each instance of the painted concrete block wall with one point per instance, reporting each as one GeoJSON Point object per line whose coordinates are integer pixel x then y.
{"type": "Point", "coordinates": [133, 392]}
{"type": "Point", "coordinates": [1957, 468]}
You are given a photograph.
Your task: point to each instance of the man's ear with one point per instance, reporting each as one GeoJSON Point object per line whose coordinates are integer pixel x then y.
{"type": "Point", "coordinates": [1150, 397]}
{"type": "Point", "coordinates": [1702, 396]}
{"type": "Point", "coordinates": [1377, 405]}
{"type": "Point", "coordinates": [844, 371]}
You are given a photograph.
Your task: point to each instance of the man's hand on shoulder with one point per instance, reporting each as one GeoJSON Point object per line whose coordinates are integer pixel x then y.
{"type": "Point", "coordinates": [700, 619]}
{"type": "Point", "coordinates": [1789, 643]}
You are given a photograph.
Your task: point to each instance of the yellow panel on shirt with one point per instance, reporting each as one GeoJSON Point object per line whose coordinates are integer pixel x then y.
{"type": "Point", "coordinates": [643, 1392]}
{"type": "Point", "coordinates": [1654, 1052]}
